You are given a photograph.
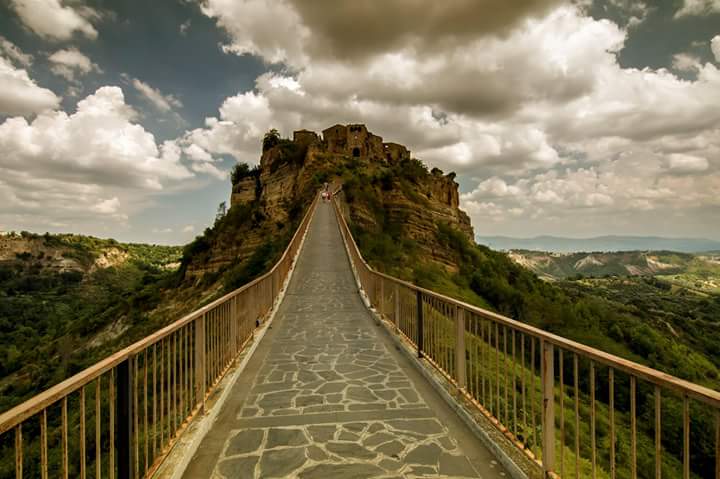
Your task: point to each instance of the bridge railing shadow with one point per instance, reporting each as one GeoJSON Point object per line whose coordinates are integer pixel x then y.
{"type": "Point", "coordinates": [120, 417]}
{"type": "Point", "coordinates": [573, 410]}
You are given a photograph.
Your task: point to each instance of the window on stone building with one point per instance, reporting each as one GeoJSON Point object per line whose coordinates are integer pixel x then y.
{"type": "Point", "coordinates": [356, 152]}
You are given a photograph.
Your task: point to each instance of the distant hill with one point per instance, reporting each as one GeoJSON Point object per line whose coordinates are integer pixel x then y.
{"type": "Point", "coordinates": [696, 271]}
{"type": "Point", "coordinates": [556, 244]}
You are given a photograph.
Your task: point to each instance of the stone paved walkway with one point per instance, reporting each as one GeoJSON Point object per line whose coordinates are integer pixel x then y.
{"type": "Point", "coordinates": [326, 394]}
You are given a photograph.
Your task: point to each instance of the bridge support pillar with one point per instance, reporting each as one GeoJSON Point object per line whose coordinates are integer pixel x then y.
{"type": "Point", "coordinates": [548, 417]}
{"type": "Point", "coordinates": [460, 371]}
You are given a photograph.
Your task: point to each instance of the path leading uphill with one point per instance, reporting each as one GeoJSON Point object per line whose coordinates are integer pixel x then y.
{"type": "Point", "coordinates": [327, 395]}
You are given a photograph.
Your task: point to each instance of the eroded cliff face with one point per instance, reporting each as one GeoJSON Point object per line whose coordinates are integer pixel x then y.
{"type": "Point", "coordinates": [415, 210]}
{"type": "Point", "coordinates": [268, 201]}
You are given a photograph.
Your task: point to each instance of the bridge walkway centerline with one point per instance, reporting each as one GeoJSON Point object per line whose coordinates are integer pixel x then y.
{"type": "Point", "coordinates": [327, 395]}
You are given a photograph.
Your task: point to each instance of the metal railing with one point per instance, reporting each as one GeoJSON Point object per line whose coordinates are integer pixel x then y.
{"type": "Point", "coordinates": [574, 410]}
{"type": "Point", "coordinates": [120, 417]}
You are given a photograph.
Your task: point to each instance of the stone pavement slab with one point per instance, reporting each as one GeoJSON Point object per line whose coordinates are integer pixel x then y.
{"type": "Point", "coordinates": [326, 394]}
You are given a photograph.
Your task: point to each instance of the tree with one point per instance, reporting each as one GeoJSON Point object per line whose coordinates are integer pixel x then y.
{"type": "Point", "coordinates": [222, 209]}
{"type": "Point", "coordinates": [240, 171]}
{"type": "Point", "coordinates": [271, 139]}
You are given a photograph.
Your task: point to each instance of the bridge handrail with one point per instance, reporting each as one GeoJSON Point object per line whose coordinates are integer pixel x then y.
{"type": "Point", "coordinates": [227, 317]}
{"type": "Point", "coordinates": [382, 290]}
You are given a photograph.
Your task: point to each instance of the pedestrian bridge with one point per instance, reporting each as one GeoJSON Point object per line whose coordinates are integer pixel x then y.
{"type": "Point", "coordinates": [325, 368]}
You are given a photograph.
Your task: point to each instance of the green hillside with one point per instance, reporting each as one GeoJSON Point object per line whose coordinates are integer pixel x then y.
{"type": "Point", "coordinates": [652, 322]}
{"type": "Point", "coordinates": [65, 299]}
{"type": "Point", "coordinates": [695, 271]}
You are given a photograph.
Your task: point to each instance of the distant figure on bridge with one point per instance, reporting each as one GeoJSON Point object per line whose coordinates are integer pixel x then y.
{"type": "Point", "coordinates": [326, 192]}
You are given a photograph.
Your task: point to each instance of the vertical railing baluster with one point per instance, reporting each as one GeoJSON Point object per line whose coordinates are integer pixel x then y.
{"type": "Point", "coordinates": [181, 389]}
{"type": "Point", "coordinates": [470, 348]}
{"type": "Point", "coordinates": [593, 450]}
{"type": "Point", "coordinates": [135, 414]}
{"type": "Point", "coordinates": [82, 432]}
{"type": "Point", "coordinates": [561, 367]}
{"type": "Point", "coordinates": [18, 452]}
{"type": "Point", "coordinates": [548, 391]}
{"type": "Point", "coordinates": [98, 446]}
{"type": "Point", "coordinates": [43, 445]}
{"type": "Point", "coordinates": [460, 367]}
{"type": "Point", "coordinates": [124, 417]}
{"type": "Point", "coordinates": [154, 400]}
{"type": "Point", "coordinates": [200, 361]}
{"type": "Point", "coordinates": [686, 437]}
{"type": "Point", "coordinates": [488, 368]}
{"type": "Point", "coordinates": [188, 382]}
{"type": "Point", "coordinates": [633, 428]}
{"type": "Point", "coordinates": [533, 396]}
{"type": "Point", "coordinates": [611, 419]}
{"type": "Point", "coordinates": [161, 404]}
{"type": "Point", "coordinates": [482, 368]}
{"type": "Point", "coordinates": [717, 444]}
{"type": "Point", "coordinates": [478, 365]}
{"type": "Point", "coordinates": [658, 433]}
{"type": "Point", "coordinates": [497, 372]}
{"type": "Point", "coordinates": [397, 308]}
{"type": "Point", "coordinates": [64, 439]}
{"type": "Point", "coordinates": [577, 416]}
{"type": "Point", "coordinates": [111, 406]}
{"type": "Point", "coordinates": [168, 387]}
{"type": "Point", "coordinates": [146, 440]}
{"type": "Point", "coordinates": [505, 376]}
{"type": "Point", "coordinates": [420, 325]}
{"type": "Point", "coordinates": [514, 384]}
{"type": "Point", "coordinates": [523, 382]}
{"type": "Point", "coordinates": [173, 385]}
{"type": "Point", "coordinates": [382, 298]}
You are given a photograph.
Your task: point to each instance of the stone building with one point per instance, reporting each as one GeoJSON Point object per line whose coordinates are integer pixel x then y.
{"type": "Point", "coordinates": [354, 140]}
{"type": "Point", "coordinates": [395, 153]}
{"type": "Point", "coordinates": [305, 137]}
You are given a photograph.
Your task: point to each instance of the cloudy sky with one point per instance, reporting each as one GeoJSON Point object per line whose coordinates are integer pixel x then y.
{"type": "Point", "coordinates": [578, 118]}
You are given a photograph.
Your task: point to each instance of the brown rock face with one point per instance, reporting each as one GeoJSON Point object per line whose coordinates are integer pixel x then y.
{"type": "Point", "coordinates": [291, 172]}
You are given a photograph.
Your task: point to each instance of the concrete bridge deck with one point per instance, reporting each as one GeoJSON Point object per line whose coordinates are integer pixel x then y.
{"type": "Point", "coordinates": [327, 395]}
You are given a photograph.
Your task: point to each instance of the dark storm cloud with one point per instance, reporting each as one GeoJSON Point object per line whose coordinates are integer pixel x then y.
{"type": "Point", "coordinates": [360, 29]}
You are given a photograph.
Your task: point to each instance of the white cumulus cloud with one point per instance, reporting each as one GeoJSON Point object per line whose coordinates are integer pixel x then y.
{"type": "Point", "coordinates": [70, 62]}
{"type": "Point", "coordinates": [715, 45]}
{"type": "Point", "coordinates": [10, 50]}
{"type": "Point", "coordinates": [687, 163]}
{"type": "Point", "coordinates": [20, 95]}
{"type": "Point", "coordinates": [52, 19]}
{"type": "Point", "coordinates": [698, 7]}
{"type": "Point", "coordinates": [162, 102]}
{"type": "Point", "coordinates": [95, 161]}
{"type": "Point", "coordinates": [541, 120]}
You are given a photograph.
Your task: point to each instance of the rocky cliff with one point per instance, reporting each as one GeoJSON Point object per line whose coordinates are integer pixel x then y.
{"type": "Point", "coordinates": [268, 201]}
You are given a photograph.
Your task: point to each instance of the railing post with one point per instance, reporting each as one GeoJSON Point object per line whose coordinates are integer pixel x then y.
{"type": "Point", "coordinates": [123, 433]}
{"type": "Point", "coordinates": [420, 324]}
{"type": "Point", "coordinates": [548, 392]}
{"type": "Point", "coordinates": [460, 349]}
{"type": "Point", "coordinates": [200, 360]}
{"type": "Point", "coordinates": [396, 318]}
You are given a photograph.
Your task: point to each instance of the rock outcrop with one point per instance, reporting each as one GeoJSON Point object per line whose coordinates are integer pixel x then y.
{"type": "Point", "coordinates": [291, 171]}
